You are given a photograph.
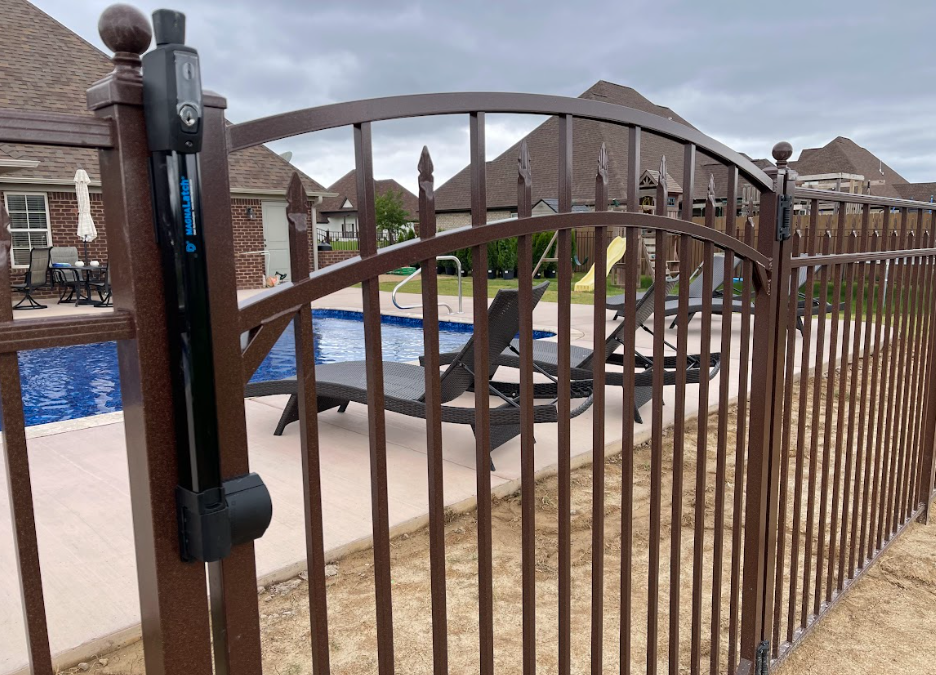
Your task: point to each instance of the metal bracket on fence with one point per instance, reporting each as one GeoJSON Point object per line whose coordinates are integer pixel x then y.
{"type": "Point", "coordinates": [784, 217]}
{"type": "Point", "coordinates": [762, 665]}
{"type": "Point", "coordinates": [213, 515]}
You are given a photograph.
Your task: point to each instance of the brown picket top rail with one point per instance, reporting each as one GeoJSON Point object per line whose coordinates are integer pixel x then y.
{"type": "Point", "coordinates": [276, 127]}
{"type": "Point", "coordinates": [42, 128]}
{"type": "Point", "coordinates": [264, 305]}
{"type": "Point", "coordinates": [869, 256]}
{"type": "Point", "coordinates": [849, 198]}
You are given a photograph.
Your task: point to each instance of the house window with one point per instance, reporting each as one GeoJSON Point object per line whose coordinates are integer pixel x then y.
{"type": "Point", "coordinates": [29, 224]}
{"type": "Point", "coordinates": [671, 201]}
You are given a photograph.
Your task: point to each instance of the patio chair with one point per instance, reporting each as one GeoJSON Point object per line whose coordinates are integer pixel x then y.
{"type": "Point", "coordinates": [65, 281]}
{"type": "Point", "coordinates": [103, 288]}
{"type": "Point", "coordinates": [37, 276]}
{"type": "Point", "coordinates": [696, 304]}
{"type": "Point", "coordinates": [696, 286]}
{"type": "Point", "coordinates": [64, 254]}
{"type": "Point", "coordinates": [337, 384]}
{"type": "Point", "coordinates": [546, 358]}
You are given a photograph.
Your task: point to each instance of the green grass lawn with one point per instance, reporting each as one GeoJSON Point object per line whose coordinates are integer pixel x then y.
{"type": "Point", "coordinates": [448, 285]}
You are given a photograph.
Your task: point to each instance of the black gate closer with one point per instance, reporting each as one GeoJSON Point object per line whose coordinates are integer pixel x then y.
{"type": "Point", "coordinates": [214, 515]}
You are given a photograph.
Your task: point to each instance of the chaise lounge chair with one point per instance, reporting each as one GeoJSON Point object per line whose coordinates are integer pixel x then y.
{"type": "Point", "coordinates": [696, 286]}
{"type": "Point", "coordinates": [546, 356]}
{"type": "Point", "coordinates": [337, 384]}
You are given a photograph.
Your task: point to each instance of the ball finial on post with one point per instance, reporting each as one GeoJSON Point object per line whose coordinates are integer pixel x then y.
{"type": "Point", "coordinates": [126, 31]}
{"type": "Point", "coordinates": [782, 151]}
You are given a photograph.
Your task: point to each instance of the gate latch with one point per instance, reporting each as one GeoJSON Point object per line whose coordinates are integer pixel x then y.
{"type": "Point", "coordinates": [214, 520]}
{"type": "Point", "coordinates": [784, 217]}
{"type": "Point", "coordinates": [213, 514]}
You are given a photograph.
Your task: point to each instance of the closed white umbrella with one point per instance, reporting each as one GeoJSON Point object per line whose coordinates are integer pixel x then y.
{"type": "Point", "coordinates": [86, 230]}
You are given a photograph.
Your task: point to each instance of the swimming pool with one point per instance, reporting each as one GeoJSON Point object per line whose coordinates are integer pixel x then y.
{"type": "Point", "coordinates": [65, 383]}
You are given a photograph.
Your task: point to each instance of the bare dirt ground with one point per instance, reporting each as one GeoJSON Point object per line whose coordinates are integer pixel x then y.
{"type": "Point", "coordinates": [883, 625]}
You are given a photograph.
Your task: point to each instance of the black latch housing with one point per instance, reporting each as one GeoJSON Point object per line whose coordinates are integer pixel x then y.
{"type": "Point", "coordinates": [212, 521]}
{"type": "Point", "coordinates": [172, 93]}
{"type": "Point", "coordinates": [213, 514]}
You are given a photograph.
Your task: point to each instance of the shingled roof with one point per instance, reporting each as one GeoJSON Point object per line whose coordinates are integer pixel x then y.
{"type": "Point", "coordinates": [921, 192]}
{"type": "Point", "coordinates": [843, 155]}
{"type": "Point", "coordinates": [587, 135]}
{"type": "Point", "coordinates": [345, 191]}
{"type": "Point", "coordinates": [45, 66]}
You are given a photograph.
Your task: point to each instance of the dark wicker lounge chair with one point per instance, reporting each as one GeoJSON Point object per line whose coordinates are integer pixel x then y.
{"type": "Point", "coordinates": [337, 384]}
{"type": "Point", "coordinates": [37, 276]}
{"type": "Point", "coordinates": [546, 356]}
{"type": "Point", "coordinates": [696, 286]}
{"type": "Point", "coordinates": [696, 304]}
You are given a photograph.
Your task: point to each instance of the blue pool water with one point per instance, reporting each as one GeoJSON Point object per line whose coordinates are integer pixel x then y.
{"type": "Point", "coordinates": [69, 382]}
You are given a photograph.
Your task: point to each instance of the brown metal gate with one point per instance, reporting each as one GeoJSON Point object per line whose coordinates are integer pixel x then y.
{"type": "Point", "coordinates": [700, 583]}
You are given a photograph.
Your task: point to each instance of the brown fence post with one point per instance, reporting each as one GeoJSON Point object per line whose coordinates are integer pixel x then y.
{"type": "Point", "coordinates": [235, 616]}
{"type": "Point", "coordinates": [760, 534]}
{"type": "Point", "coordinates": [928, 446]}
{"type": "Point", "coordinates": [173, 605]}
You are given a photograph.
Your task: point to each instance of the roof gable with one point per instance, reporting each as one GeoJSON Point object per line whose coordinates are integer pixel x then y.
{"type": "Point", "coordinates": [45, 66]}
{"type": "Point", "coordinates": [588, 136]}
{"type": "Point", "coordinates": [843, 155]}
{"type": "Point", "coordinates": [345, 196]}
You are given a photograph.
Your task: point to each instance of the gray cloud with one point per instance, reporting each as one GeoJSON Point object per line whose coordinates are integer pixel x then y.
{"type": "Point", "coordinates": [747, 73]}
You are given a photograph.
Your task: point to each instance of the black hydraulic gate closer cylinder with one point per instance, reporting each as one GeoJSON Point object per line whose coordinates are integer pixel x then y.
{"type": "Point", "coordinates": [214, 515]}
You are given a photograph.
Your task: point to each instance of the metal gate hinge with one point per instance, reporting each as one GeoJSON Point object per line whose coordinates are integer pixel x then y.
{"type": "Point", "coordinates": [762, 665]}
{"type": "Point", "coordinates": [784, 217]}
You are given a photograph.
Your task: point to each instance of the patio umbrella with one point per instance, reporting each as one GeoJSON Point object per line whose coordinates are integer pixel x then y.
{"type": "Point", "coordinates": [86, 230]}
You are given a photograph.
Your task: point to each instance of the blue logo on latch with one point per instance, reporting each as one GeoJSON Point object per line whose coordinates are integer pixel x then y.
{"type": "Point", "coordinates": [187, 213]}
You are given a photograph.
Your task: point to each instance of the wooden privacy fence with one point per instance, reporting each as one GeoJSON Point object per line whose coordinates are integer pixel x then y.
{"type": "Point", "coordinates": [817, 469]}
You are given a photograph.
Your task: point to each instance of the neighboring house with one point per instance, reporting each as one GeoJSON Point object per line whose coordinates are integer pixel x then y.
{"type": "Point", "coordinates": [46, 67]}
{"type": "Point", "coordinates": [338, 214]}
{"type": "Point", "coordinates": [453, 197]}
{"type": "Point", "coordinates": [921, 192]}
{"type": "Point", "coordinates": [844, 166]}
{"type": "Point", "coordinates": [546, 207]}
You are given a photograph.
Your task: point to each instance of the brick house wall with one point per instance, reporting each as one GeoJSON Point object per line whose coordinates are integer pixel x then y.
{"type": "Point", "coordinates": [248, 237]}
{"type": "Point", "coordinates": [63, 218]}
{"type": "Point", "coordinates": [247, 233]}
{"type": "Point", "coordinates": [453, 219]}
{"type": "Point", "coordinates": [327, 258]}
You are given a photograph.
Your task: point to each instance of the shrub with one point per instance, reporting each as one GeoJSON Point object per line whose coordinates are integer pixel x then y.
{"type": "Point", "coordinates": [507, 254]}
{"type": "Point", "coordinates": [494, 259]}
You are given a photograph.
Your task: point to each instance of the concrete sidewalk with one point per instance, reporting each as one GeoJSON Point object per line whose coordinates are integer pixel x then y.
{"type": "Point", "coordinates": [82, 502]}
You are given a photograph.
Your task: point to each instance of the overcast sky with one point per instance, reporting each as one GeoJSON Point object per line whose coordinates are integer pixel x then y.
{"type": "Point", "coordinates": [747, 73]}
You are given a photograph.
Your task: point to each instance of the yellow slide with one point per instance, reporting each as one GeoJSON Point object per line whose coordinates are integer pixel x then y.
{"type": "Point", "coordinates": [615, 252]}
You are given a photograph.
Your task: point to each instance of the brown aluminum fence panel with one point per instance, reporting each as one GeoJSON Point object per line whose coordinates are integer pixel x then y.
{"type": "Point", "coordinates": [732, 515]}
{"type": "Point", "coordinates": [855, 462]}
{"type": "Point", "coordinates": [665, 588]}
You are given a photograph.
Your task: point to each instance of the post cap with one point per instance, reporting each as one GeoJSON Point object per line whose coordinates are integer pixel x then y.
{"type": "Point", "coordinates": [782, 151]}
{"type": "Point", "coordinates": [124, 28]}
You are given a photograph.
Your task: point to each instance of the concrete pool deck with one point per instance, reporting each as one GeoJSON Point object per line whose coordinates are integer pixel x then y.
{"type": "Point", "coordinates": [82, 504]}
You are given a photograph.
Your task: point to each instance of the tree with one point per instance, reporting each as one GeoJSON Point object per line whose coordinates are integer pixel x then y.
{"type": "Point", "coordinates": [391, 214]}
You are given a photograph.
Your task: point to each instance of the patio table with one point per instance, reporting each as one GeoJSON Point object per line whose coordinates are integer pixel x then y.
{"type": "Point", "coordinates": [87, 274]}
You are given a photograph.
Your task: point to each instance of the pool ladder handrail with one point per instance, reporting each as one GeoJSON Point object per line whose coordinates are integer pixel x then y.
{"type": "Point", "coordinates": [458, 269]}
